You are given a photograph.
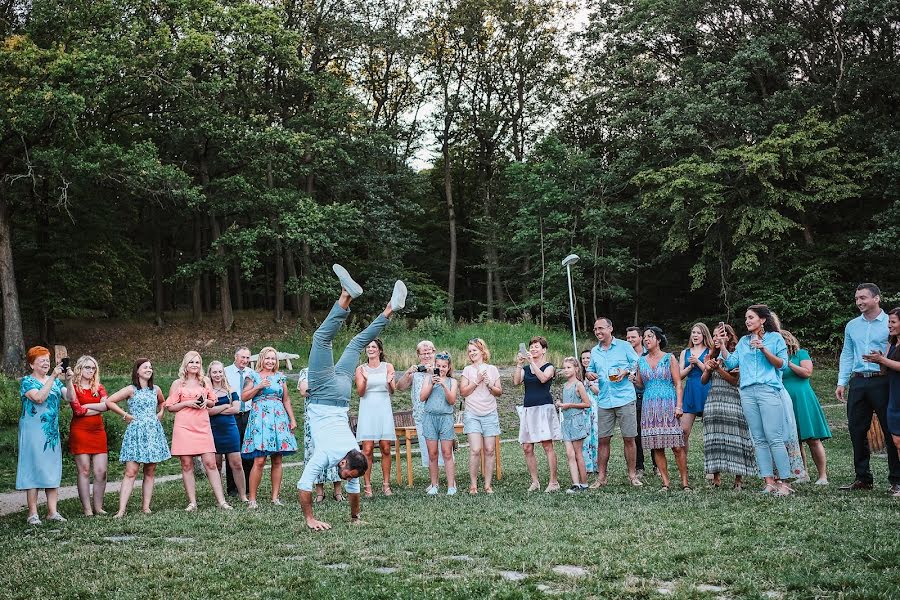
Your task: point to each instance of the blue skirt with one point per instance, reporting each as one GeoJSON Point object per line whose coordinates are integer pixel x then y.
{"type": "Point", "coordinates": [225, 434]}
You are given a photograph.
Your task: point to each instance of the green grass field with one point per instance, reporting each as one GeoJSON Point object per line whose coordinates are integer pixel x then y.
{"type": "Point", "coordinates": [634, 543]}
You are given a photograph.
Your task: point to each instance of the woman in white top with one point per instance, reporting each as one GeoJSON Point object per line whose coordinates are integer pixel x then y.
{"type": "Point", "coordinates": [375, 384]}
{"type": "Point", "coordinates": [480, 386]}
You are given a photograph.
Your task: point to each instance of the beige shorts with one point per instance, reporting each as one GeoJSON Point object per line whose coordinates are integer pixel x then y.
{"type": "Point", "coordinates": [625, 415]}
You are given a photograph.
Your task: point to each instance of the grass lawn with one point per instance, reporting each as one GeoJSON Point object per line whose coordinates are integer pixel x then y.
{"type": "Point", "coordinates": [634, 543]}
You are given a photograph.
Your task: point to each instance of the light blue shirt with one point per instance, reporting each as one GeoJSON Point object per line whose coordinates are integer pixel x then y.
{"type": "Point", "coordinates": [236, 381]}
{"type": "Point", "coordinates": [755, 367]}
{"type": "Point", "coordinates": [332, 440]}
{"type": "Point", "coordinates": [862, 336]}
{"type": "Point", "coordinates": [619, 355]}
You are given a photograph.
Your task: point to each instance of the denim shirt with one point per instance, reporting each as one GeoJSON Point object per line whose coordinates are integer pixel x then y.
{"type": "Point", "coordinates": [755, 367]}
{"type": "Point", "coordinates": [861, 336]}
{"type": "Point", "coordinates": [619, 355]}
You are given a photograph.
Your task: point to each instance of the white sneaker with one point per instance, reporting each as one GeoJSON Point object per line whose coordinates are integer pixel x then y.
{"type": "Point", "coordinates": [432, 490]}
{"type": "Point", "coordinates": [56, 517]}
{"type": "Point", "coordinates": [34, 520]}
{"type": "Point", "coordinates": [451, 491]}
{"type": "Point", "coordinates": [398, 297]}
{"type": "Point", "coordinates": [353, 288]}
{"type": "Point", "coordinates": [821, 481]}
{"type": "Point", "coordinates": [803, 479]}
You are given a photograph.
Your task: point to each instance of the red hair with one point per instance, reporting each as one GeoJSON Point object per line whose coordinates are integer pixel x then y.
{"type": "Point", "coordinates": [34, 353]}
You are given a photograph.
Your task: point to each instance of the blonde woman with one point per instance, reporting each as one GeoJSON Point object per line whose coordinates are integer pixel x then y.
{"type": "Point", "coordinates": [480, 386]}
{"type": "Point", "coordinates": [87, 436]}
{"type": "Point", "coordinates": [693, 366]}
{"type": "Point", "coordinates": [225, 432]}
{"type": "Point", "coordinates": [190, 398]}
{"type": "Point", "coordinates": [270, 428]}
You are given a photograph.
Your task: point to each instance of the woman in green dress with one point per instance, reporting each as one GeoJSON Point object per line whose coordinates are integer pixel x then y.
{"type": "Point", "coordinates": [812, 427]}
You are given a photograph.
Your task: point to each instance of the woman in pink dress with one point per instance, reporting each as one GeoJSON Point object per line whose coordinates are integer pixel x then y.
{"type": "Point", "coordinates": [190, 397]}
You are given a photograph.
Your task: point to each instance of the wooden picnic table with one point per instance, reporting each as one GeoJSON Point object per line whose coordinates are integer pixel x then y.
{"type": "Point", "coordinates": [408, 432]}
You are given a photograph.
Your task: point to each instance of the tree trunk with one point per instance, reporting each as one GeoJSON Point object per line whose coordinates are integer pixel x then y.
{"type": "Point", "coordinates": [158, 287]}
{"type": "Point", "coordinates": [13, 338]}
{"type": "Point", "coordinates": [224, 290]}
{"type": "Point", "coordinates": [497, 280]}
{"type": "Point", "coordinates": [543, 268]}
{"type": "Point", "coordinates": [292, 277]}
{"type": "Point", "coordinates": [451, 217]}
{"type": "Point", "coordinates": [238, 287]}
{"type": "Point", "coordinates": [279, 281]}
{"type": "Point", "coordinates": [637, 282]}
{"type": "Point", "coordinates": [305, 301]}
{"type": "Point", "coordinates": [208, 305]}
{"type": "Point", "coordinates": [594, 284]}
{"type": "Point", "coordinates": [196, 296]}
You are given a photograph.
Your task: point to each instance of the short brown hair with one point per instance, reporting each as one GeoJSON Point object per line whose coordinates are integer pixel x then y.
{"type": "Point", "coordinates": [135, 380]}
{"type": "Point", "coordinates": [540, 340]}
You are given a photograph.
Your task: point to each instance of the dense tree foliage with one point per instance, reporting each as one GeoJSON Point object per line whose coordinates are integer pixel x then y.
{"type": "Point", "coordinates": [220, 155]}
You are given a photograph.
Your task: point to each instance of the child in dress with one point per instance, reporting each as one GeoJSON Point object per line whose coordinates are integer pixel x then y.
{"type": "Point", "coordinates": [576, 425]}
{"type": "Point", "coordinates": [439, 395]}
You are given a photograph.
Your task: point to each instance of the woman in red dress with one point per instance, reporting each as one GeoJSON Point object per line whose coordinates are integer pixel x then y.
{"type": "Point", "coordinates": [87, 436]}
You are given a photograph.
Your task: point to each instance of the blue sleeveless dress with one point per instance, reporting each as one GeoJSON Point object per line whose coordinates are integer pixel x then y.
{"type": "Point", "coordinates": [695, 391]}
{"type": "Point", "coordinates": [144, 440]}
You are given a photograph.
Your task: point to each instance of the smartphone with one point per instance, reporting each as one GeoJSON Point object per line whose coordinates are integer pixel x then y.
{"type": "Point", "coordinates": [523, 350]}
{"type": "Point", "coordinates": [64, 363]}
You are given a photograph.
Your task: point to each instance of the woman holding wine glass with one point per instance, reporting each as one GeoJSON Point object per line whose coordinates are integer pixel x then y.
{"type": "Point", "coordinates": [761, 356]}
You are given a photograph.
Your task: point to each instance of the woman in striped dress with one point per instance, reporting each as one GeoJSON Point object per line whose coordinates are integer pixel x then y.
{"type": "Point", "coordinates": [727, 446]}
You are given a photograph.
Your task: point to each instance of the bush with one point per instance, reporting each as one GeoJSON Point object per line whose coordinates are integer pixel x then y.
{"type": "Point", "coordinates": [10, 403]}
{"type": "Point", "coordinates": [434, 326]}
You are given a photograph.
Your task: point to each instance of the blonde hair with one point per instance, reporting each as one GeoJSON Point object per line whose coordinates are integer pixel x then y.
{"type": "Point", "coordinates": [182, 370]}
{"type": "Point", "coordinates": [479, 343]}
{"type": "Point", "coordinates": [424, 343]}
{"type": "Point", "coordinates": [575, 363]}
{"type": "Point", "coordinates": [262, 355]}
{"type": "Point", "coordinates": [95, 380]}
{"type": "Point", "coordinates": [792, 344]}
{"type": "Point", "coordinates": [704, 331]}
{"type": "Point", "coordinates": [224, 378]}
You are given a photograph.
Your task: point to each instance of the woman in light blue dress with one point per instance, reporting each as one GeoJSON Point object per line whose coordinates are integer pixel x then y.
{"type": "Point", "coordinates": [331, 475]}
{"type": "Point", "coordinates": [144, 441]}
{"type": "Point", "coordinates": [40, 456]}
{"type": "Point", "coordinates": [589, 447]}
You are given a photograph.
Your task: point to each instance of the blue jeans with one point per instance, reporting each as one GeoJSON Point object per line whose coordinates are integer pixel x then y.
{"type": "Point", "coordinates": [764, 410]}
{"type": "Point", "coordinates": [331, 383]}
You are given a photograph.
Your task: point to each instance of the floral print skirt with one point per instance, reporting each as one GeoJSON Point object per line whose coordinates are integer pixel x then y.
{"type": "Point", "coordinates": [268, 430]}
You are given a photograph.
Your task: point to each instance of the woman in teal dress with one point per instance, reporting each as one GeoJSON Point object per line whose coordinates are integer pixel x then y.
{"type": "Point", "coordinates": [812, 427]}
{"type": "Point", "coordinates": [40, 456]}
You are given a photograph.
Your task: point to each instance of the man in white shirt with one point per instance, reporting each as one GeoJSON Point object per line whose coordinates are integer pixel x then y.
{"type": "Point", "coordinates": [236, 374]}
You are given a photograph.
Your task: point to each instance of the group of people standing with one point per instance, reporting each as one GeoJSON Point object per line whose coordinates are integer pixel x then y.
{"type": "Point", "coordinates": [752, 392]}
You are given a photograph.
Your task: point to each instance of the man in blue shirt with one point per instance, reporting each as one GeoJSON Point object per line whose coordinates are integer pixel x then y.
{"type": "Point", "coordinates": [868, 388]}
{"type": "Point", "coordinates": [611, 362]}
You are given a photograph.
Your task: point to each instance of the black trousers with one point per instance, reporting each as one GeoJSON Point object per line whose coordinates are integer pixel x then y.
{"type": "Point", "coordinates": [639, 463]}
{"type": "Point", "coordinates": [865, 397]}
{"type": "Point", "coordinates": [231, 489]}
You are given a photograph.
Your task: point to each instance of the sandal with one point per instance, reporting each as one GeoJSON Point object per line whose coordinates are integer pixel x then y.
{"type": "Point", "coordinates": [535, 486]}
{"type": "Point", "coordinates": [320, 497]}
{"type": "Point", "coordinates": [192, 507]}
{"type": "Point", "coordinates": [277, 502]}
{"type": "Point", "coordinates": [488, 490]}
{"type": "Point", "coordinates": [687, 488]}
{"type": "Point", "coordinates": [598, 484]}
{"type": "Point", "coordinates": [226, 506]}
{"type": "Point", "coordinates": [636, 482]}
{"type": "Point", "coordinates": [663, 489]}
{"type": "Point", "coordinates": [338, 497]}
{"type": "Point", "coordinates": [473, 490]}
{"type": "Point", "coordinates": [386, 490]}
{"type": "Point", "coordinates": [369, 492]}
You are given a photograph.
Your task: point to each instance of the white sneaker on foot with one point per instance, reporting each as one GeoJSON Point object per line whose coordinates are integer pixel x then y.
{"type": "Point", "coordinates": [821, 481]}
{"type": "Point", "coordinates": [56, 517]}
{"type": "Point", "coordinates": [451, 491]}
{"type": "Point", "coordinates": [353, 288]}
{"type": "Point", "coordinates": [398, 297]}
{"type": "Point", "coordinates": [432, 490]}
{"type": "Point", "coordinates": [34, 520]}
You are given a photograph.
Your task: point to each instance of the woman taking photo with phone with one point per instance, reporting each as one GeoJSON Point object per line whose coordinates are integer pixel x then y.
{"type": "Point", "coordinates": [190, 398]}
{"type": "Point", "coordinates": [439, 396]}
{"type": "Point", "coordinates": [538, 419]}
{"type": "Point", "coordinates": [40, 457]}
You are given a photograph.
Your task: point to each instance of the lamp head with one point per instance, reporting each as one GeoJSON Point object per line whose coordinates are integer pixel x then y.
{"type": "Point", "coordinates": [570, 260]}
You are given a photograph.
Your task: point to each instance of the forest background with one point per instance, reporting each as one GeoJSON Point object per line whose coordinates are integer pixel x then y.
{"type": "Point", "coordinates": [159, 156]}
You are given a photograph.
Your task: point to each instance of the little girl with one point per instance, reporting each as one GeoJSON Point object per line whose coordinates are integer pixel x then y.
{"type": "Point", "coordinates": [576, 425]}
{"type": "Point", "coordinates": [439, 395]}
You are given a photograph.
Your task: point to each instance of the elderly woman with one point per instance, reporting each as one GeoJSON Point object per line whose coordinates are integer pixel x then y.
{"type": "Point", "coordinates": [413, 378]}
{"type": "Point", "coordinates": [538, 420]}
{"type": "Point", "coordinates": [40, 456]}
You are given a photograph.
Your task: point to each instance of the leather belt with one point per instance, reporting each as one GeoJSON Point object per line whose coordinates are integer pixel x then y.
{"type": "Point", "coordinates": [868, 374]}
